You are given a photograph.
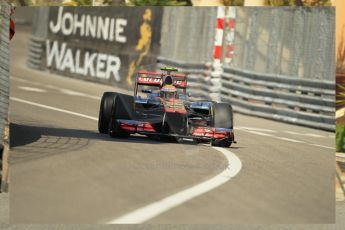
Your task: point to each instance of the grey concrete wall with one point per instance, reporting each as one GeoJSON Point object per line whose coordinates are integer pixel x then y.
{"type": "Point", "coordinates": [289, 41]}
{"type": "Point", "coordinates": [24, 16]}
{"type": "Point", "coordinates": [188, 34]}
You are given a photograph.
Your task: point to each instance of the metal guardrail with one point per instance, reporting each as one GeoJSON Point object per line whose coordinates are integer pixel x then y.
{"type": "Point", "coordinates": [284, 98]}
{"type": "Point", "coordinates": [36, 53]}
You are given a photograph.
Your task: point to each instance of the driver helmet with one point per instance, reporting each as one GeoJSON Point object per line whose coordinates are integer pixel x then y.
{"type": "Point", "coordinates": [169, 90]}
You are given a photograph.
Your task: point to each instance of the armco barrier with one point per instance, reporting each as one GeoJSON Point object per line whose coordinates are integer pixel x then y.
{"type": "Point", "coordinates": [284, 98]}
{"type": "Point", "coordinates": [37, 53]}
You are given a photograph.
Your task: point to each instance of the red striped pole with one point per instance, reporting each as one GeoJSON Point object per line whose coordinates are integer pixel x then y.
{"type": "Point", "coordinates": [217, 51]}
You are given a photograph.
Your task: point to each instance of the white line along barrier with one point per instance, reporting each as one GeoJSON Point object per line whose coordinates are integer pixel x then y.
{"type": "Point", "coordinates": [54, 108]}
{"type": "Point", "coordinates": [152, 210]}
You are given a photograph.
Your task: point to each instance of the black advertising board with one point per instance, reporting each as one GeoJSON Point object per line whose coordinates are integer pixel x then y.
{"type": "Point", "coordinates": [103, 44]}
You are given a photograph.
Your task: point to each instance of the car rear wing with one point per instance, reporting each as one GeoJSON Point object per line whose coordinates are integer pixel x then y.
{"type": "Point", "coordinates": [156, 79]}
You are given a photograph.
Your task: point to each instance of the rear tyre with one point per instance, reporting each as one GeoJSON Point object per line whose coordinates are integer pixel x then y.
{"type": "Point", "coordinates": [221, 143]}
{"type": "Point", "coordinates": [104, 116]}
{"type": "Point", "coordinates": [222, 118]}
{"type": "Point", "coordinates": [122, 109]}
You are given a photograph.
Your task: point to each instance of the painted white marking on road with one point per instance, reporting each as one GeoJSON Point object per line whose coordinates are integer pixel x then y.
{"type": "Point", "coordinates": [322, 146]}
{"type": "Point", "coordinates": [288, 139]}
{"type": "Point", "coordinates": [304, 134]}
{"type": "Point", "coordinates": [284, 138]}
{"type": "Point", "coordinates": [152, 210]}
{"type": "Point", "coordinates": [72, 93]}
{"type": "Point", "coordinates": [76, 93]}
{"type": "Point", "coordinates": [62, 90]}
{"type": "Point", "coordinates": [259, 133]}
{"type": "Point", "coordinates": [257, 129]}
{"type": "Point", "coordinates": [32, 89]}
{"type": "Point", "coordinates": [54, 108]}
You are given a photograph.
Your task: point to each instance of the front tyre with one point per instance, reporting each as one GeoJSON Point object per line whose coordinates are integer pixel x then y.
{"type": "Point", "coordinates": [122, 109]}
{"type": "Point", "coordinates": [104, 116]}
{"type": "Point", "coordinates": [226, 143]}
{"type": "Point", "coordinates": [222, 118]}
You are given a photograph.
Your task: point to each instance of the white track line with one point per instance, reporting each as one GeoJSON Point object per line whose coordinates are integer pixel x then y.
{"type": "Point", "coordinates": [62, 90]}
{"type": "Point", "coordinates": [259, 133]}
{"type": "Point", "coordinates": [143, 214]}
{"type": "Point", "coordinates": [257, 129]}
{"type": "Point", "coordinates": [284, 138]}
{"type": "Point", "coordinates": [152, 210]}
{"type": "Point", "coordinates": [288, 139]}
{"type": "Point", "coordinates": [32, 89]}
{"type": "Point", "coordinates": [303, 134]}
{"type": "Point", "coordinates": [322, 146]}
{"type": "Point", "coordinates": [54, 108]}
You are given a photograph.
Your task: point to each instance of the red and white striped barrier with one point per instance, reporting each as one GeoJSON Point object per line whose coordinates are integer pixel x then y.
{"type": "Point", "coordinates": [229, 19]}
{"type": "Point", "coordinates": [217, 54]}
{"type": "Point", "coordinates": [225, 21]}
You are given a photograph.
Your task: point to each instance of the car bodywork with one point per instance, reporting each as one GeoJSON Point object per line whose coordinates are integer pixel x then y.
{"type": "Point", "coordinates": [160, 108]}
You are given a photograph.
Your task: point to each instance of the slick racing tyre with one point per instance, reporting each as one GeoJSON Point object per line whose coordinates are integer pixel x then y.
{"type": "Point", "coordinates": [222, 118]}
{"type": "Point", "coordinates": [122, 108]}
{"type": "Point", "coordinates": [221, 143]}
{"type": "Point", "coordinates": [104, 116]}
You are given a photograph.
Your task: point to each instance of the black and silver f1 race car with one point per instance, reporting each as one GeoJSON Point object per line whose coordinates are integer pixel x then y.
{"type": "Point", "coordinates": [160, 109]}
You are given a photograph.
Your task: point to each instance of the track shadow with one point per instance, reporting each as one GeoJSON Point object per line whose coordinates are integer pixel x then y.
{"type": "Point", "coordinates": [32, 142]}
{"type": "Point", "coordinates": [21, 135]}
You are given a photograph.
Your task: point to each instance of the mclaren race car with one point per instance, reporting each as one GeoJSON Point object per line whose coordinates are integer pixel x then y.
{"type": "Point", "coordinates": [161, 109]}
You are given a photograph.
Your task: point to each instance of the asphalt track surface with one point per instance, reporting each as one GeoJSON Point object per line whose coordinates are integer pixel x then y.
{"type": "Point", "coordinates": [63, 171]}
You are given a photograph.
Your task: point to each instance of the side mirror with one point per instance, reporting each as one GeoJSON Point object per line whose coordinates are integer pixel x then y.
{"type": "Point", "coordinates": [146, 90]}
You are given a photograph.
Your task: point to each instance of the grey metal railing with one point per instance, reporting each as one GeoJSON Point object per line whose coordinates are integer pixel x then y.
{"type": "Point", "coordinates": [285, 98]}
{"type": "Point", "coordinates": [36, 53]}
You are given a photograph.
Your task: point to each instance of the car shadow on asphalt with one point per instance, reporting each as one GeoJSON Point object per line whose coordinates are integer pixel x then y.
{"type": "Point", "coordinates": [32, 142]}
{"type": "Point", "coordinates": [21, 135]}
